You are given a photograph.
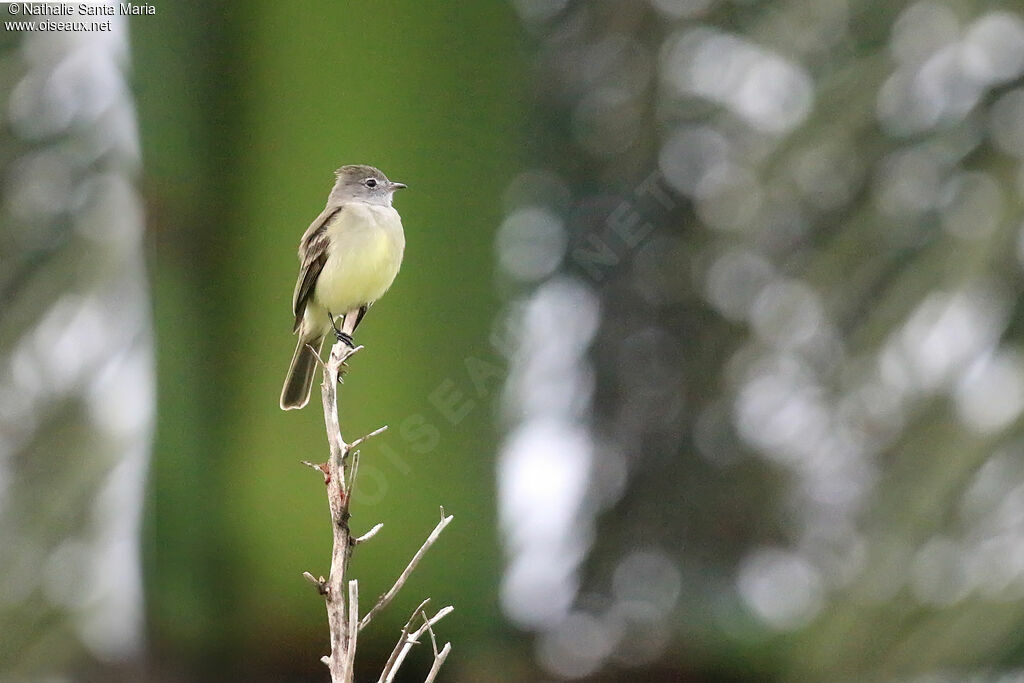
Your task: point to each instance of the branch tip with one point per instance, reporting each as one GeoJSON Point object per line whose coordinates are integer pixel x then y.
{"type": "Point", "coordinates": [322, 468]}
{"type": "Point", "coordinates": [430, 631]}
{"type": "Point", "coordinates": [362, 439]}
{"type": "Point", "coordinates": [439, 658]}
{"type": "Point", "coordinates": [386, 599]}
{"type": "Point", "coordinates": [369, 534]}
{"type": "Point", "coordinates": [353, 468]}
{"type": "Point", "coordinates": [319, 583]}
{"type": "Point", "coordinates": [441, 614]}
{"type": "Point", "coordinates": [407, 640]}
{"type": "Point", "coordinates": [418, 610]}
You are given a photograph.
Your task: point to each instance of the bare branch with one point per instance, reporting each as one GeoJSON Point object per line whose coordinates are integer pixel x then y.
{"type": "Point", "coordinates": [401, 642]}
{"type": "Point", "coordinates": [329, 391]}
{"type": "Point", "coordinates": [430, 631]}
{"type": "Point", "coordinates": [438, 662]}
{"type": "Point", "coordinates": [369, 534]}
{"type": "Point", "coordinates": [320, 584]}
{"type": "Point", "coordinates": [441, 614]}
{"type": "Point", "coordinates": [364, 439]}
{"type": "Point", "coordinates": [407, 641]}
{"type": "Point", "coordinates": [339, 659]}
{"type": "Point", "coordinates": [352, 469]}
{"type": "Point", "coordinates": [353, 629]}
{"type": "Point", "coordinates": [339, 473]}
{"type": "Point", "coordinates": [439, 656]}
{"type": "Point", "coordinates": [404, 576]}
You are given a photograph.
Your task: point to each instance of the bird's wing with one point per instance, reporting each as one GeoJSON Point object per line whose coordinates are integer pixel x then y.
{"type": "Point", "coordinates": [312, 256]}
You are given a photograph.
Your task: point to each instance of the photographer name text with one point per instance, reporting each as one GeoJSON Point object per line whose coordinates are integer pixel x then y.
{"type": "Point", "coordinates": [88, 10]}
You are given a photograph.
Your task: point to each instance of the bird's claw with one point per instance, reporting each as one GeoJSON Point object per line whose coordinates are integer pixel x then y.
{"type": "Point", "coordinates": [341, 336]}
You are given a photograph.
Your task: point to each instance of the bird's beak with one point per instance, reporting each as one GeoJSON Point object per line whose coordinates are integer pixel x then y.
{"type": "Point", "coordinates": [398, 186]}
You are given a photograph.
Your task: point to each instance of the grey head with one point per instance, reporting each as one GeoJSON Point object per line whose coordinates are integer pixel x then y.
{"type": "Point", "coordinates": [363, 184]}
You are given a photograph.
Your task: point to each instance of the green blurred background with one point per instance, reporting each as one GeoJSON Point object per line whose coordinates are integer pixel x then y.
{"type": "Point", "coordinates": [245, 114]}
{"type": "Point", "coordinates": [708, 334]}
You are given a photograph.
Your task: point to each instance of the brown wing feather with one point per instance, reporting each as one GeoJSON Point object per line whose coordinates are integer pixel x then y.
{"type": "Point", "coordinates": [312, 257]}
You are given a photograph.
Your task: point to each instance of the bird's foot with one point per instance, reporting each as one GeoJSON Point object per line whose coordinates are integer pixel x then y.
{"type": "Point", "coordinates": [341, 336]}
{"type": "Point", "coordinates": [334, 323]}
{"type": "Point", "coordinates": [344, 337]}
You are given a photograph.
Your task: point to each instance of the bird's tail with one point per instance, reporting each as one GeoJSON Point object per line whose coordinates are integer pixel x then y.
{"type": "Point", "coordinates": [299, 381]}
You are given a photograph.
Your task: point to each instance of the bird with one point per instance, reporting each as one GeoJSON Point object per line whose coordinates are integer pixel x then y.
{"type": "Point", "coordinates": [348, 258]}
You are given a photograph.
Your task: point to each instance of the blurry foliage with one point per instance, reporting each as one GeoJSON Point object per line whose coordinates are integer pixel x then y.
{"type": "Point", "coordinates": [759, 282]}
{"type": "Point", "coordinates": [76, 371]}
{"type": "Point", "coordinates": [774, 362]}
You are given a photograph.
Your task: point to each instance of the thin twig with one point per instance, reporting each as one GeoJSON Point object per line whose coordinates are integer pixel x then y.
{"type": "Point", "coordinates": [352, 469]}
{"type": "Point", "coordinates": [430, 631]}
{"type": "Point", "coordinates": [401, 640]}
{"type": "Point", "coordinates": [385, 599]}
{"type": "Point", "coordinates": [353, 629]}
{"type": "Point", "coordinates": [438, 662]}
{"type": "Point", "coordinates": [321, 585]}
{"type": "Point", "coordinates": [406, 643]}
{"type": "Point", "coordinates": [369, 534]}
{"type": "Point", "coordinates": [439, 656]}
{"type": "Point", "coordinates": [364, 439]}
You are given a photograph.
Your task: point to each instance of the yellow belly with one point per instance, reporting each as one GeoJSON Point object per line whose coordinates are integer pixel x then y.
{"type": "Point", "coordinates": [367, 244]}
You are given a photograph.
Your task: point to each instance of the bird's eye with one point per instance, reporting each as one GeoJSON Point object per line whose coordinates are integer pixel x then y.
{"type": "Point", "coordinates": [371, 182]}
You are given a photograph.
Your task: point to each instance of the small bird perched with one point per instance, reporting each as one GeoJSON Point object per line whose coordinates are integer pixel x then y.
{"type": "Point", "coordinates": [349, 257]}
